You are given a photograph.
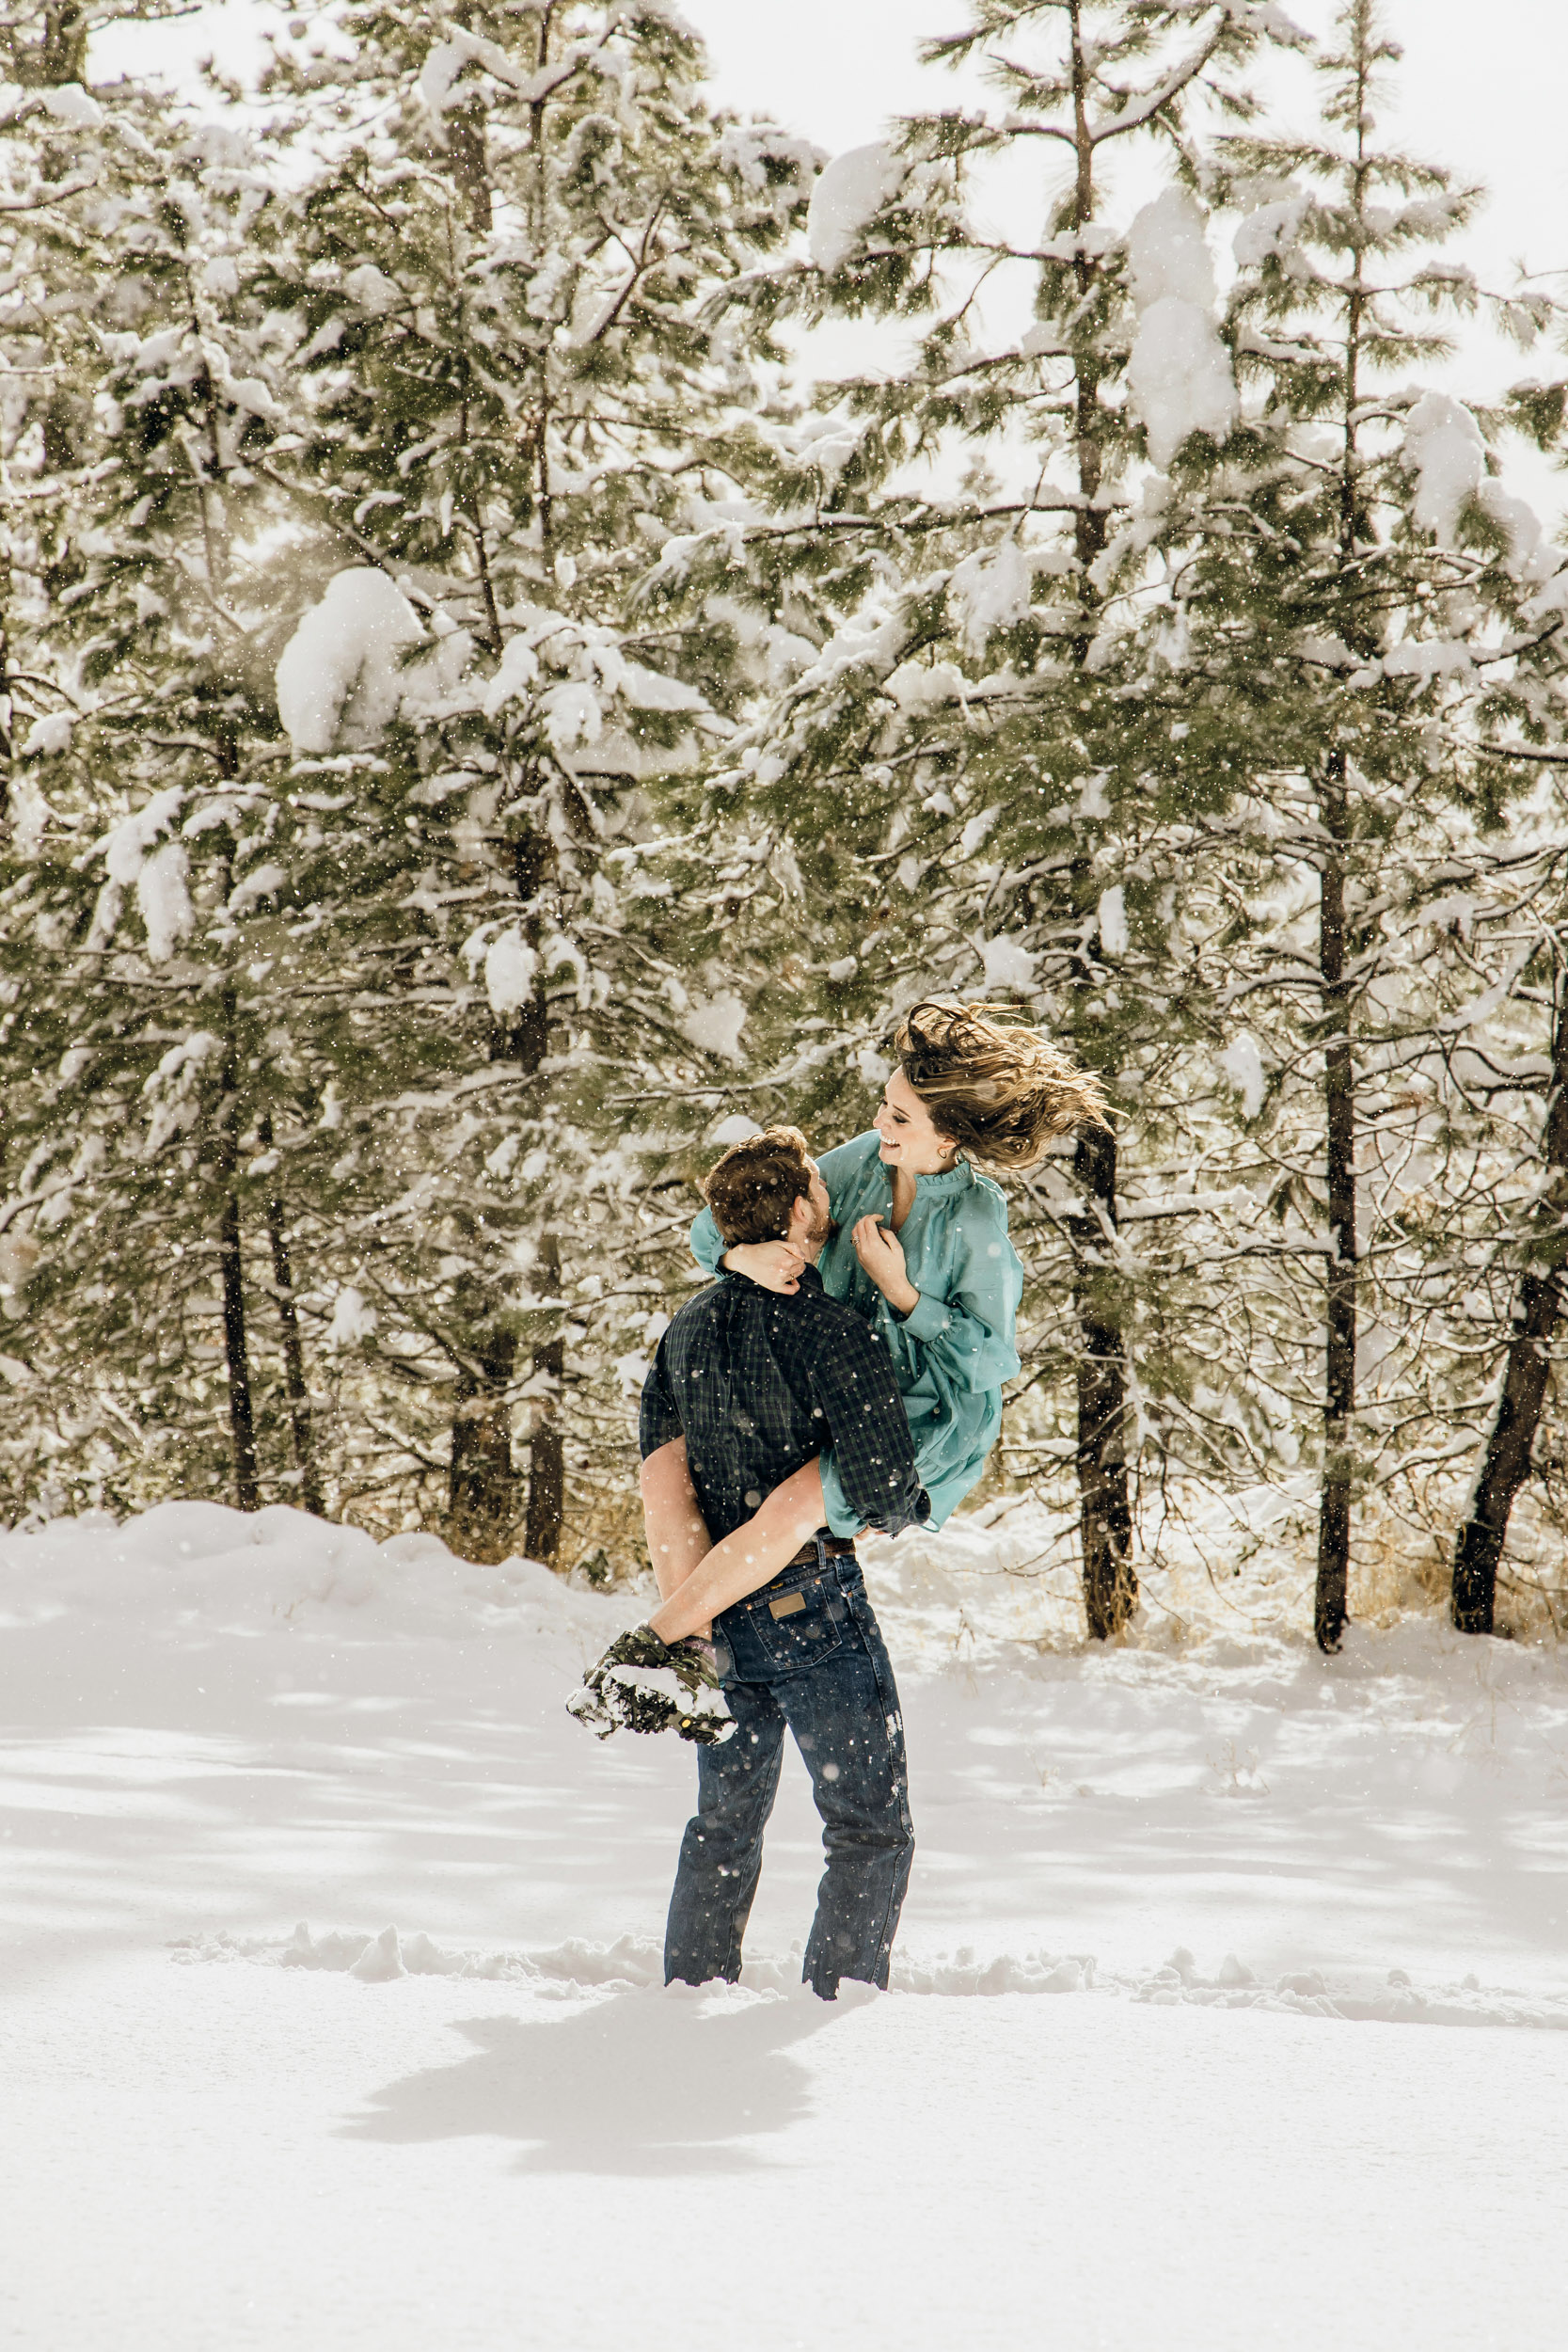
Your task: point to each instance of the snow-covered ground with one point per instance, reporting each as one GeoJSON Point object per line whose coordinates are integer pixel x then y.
{"type": "Point", "coordinates": [1163, 2064]}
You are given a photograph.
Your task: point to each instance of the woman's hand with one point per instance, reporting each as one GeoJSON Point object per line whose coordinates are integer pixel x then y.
{"type": "Point", "coordinates": [775, 1266]}
{"type": "Point", "coordinates": [882, 1253]}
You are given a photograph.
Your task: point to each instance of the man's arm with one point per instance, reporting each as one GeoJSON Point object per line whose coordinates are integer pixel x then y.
{"type": "Point", "coordinates": [855, 1382]}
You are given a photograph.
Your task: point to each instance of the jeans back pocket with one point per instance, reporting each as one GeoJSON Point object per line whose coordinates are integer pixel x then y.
{"type": "Point", "coordinates": [800, 1628]}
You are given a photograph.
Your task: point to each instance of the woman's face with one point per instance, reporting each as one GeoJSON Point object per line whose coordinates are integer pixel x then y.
{"type": "Point", "coordinates": [910, 1140]}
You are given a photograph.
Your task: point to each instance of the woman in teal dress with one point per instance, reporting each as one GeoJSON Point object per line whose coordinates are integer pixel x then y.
{"type": "Point", "coordinates": [920, 1246]}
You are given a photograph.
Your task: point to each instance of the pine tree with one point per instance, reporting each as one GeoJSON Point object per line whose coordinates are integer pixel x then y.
{"type": "Point", "coordinates": [1344, 623]}
{"type": "Point", "coordinates": [517, 393]}
{"type": "Point", "coordinates": [1535, 1319]}
{"type": "Point", "coordinates": [145, 1042]}
{"type": "Point", "coordinates": [1511, 1074]}
{"type": "Point", "coordinates": [964, 686]}
{"type": "Point", "coordinates": [287, 1034]}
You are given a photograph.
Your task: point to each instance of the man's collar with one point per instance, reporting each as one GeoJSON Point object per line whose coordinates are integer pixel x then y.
{"type": "Point", "coordinates": [810, 1279]}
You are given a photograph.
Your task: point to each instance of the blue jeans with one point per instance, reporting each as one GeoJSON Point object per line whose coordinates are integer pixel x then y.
{"type": "Point", "coordinates": [805, 1651]}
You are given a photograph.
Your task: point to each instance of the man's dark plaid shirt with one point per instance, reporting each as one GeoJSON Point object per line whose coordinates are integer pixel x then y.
{"type": "Point", "coordinates": [759, 1384]}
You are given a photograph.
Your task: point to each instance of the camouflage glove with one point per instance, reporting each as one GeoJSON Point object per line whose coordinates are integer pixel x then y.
{"type": "Point", "coordinates": [643, 1684]}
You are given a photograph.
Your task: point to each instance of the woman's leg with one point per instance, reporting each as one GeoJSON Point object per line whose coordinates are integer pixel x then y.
{"type": "Point", "coordinates": [671, 1517]}
{"type": "Point", "coordinates": [754, 1553]}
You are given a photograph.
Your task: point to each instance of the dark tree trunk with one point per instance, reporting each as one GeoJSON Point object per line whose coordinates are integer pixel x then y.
{"type": "Point", "coordinates": [1537, 1317]}
{"type": "Point", "coordinates": [293, 1354]}
{"type": "Point", "coordinates": [482, 1483]}
{"type": "Point", "coordinates": [60, 53]}
{"type": "Point", "coordinates": [7, 715]}
{"type": "Point", "coordinates": [1329, 1609]}
{"type": "Point", "coordinates": [1104, 1511]}
{"type": "Point", "coordinates": [482, 1489]}
{"type": "Point", "coordinates": [64, 53]}
{"type": "Point", "coordinates": [526, 1036]}
{"type": "Point", "coordinates": [471, 167]}
{"type": "Point", "coordinates": [463, 127]}
{"type": "Point", "coordinates": [236, 1348]}
{"type": "Point", "coordinates": [241, 1418]}
{"type": "Point", "coordinates": [482, 1492]}
{"type": "Point", "coordinates": [546, 1475]}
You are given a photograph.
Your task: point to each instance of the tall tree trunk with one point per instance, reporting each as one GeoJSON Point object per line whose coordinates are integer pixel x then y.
{"type": "Point", "coordinates": [7, 720]}
{"type": "Point", "coordinates": [482, 1489]}
{"type": "Point", "coordinates": [1537, 1317]}
{"type": "Point", "coordinates": [60, 53]}
{"type": "Point", "coordinates": [481, 1486]}
{"type": "Point", "coordinates": [463, 128]}
{"type": "Point", "coordinates": [293, 1354]}
{"type": "Point", "coordinates": [241, 1420]}
{"type": "Point", "coordinates": [470, 166]}
{"type": "Point", "coordinates": [1329, 1609]}
{"type": "Point", "coordinates": [1104, 1510]}
{"type": "Point", "coordinates": [546, 1475]}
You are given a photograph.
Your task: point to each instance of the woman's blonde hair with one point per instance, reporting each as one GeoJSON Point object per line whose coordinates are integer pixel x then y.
{"type": "Point", "coordinates": [995, 1086]}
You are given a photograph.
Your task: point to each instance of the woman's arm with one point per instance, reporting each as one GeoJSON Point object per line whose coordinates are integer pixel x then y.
{"type": "Point", "coordinates": [708, 1243]}
{"type": "Point", "coordinates": [968, 1334]}
{"type": "Point", "coordinates": [773, 1264]}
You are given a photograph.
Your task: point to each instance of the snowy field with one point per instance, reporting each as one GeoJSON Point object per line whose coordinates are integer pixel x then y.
{"type": "Point", "coordinates": [1227, 2010]}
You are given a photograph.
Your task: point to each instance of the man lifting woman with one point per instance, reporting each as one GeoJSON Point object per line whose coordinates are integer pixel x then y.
{"type": "Point", "coordinates": [845, 1372]}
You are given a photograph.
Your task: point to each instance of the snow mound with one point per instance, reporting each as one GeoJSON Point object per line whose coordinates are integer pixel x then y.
{"type": "Point", "coordinates": [1393, 1999]}
{"type": "Point", "coordinates": [204, 1564]}
{"type": "Point", "coordinates": [573, 1966]}
{"type": "Point", "coordinates": [632, 1962]}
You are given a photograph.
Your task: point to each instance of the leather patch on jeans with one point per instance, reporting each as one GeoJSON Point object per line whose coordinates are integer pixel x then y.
{"type": "Point", "coordinates": [786, 1607]}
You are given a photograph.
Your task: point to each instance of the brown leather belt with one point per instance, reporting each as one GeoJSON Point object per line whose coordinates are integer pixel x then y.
{"type": "Point", "coordinates": [836, 1547]}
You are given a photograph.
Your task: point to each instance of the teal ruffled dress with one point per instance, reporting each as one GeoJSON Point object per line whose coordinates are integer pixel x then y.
{"type": "Point", "coordinates": [954, 1349]}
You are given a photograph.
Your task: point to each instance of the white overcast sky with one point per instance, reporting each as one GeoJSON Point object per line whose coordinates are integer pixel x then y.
{"type": "Point", "coordinates": [1482, 90]}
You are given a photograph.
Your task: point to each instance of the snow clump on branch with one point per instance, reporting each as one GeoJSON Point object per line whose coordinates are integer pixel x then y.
{"type": "Point", "coordinates": [339, 675]}
{"type": "Point", "coordinates": [849, 193]}
{"type": "Point", "coordinates": [163, 900]}
{"type": "Point", "coordinates": [715, 1026]}
{"type": "Point", "coordinates": [1442, 442]}
{"type": "Point", "coordinates": [1269, 233]}
{"type": "Point", "coordinates": [990, 592]}
{"type": "Point", "coordinates": [1242, 1064]}
{"type": "Point", "coordinates": [159, 882]}
{"type": "Point", "coordinates": [510, 969]}
{"type": "Point", "coordinates": [1006, 963]}
{"type": "Point", "coordinates": [352, 1321]}
{"type": "Point", "coordinates": [1179, 374]}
